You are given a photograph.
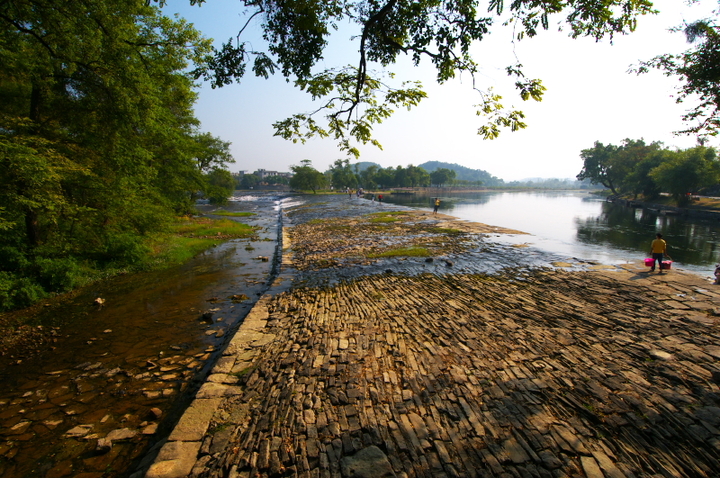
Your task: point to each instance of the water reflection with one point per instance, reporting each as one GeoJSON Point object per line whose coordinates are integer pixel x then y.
{"type": "Point", "coordinates": [690, 242]}
{"type": "Point", "coordinates": [583, 225]}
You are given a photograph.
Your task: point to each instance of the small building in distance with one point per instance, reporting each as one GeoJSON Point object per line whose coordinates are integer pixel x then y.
{"type": "Point", "coordinates": [262, 174]}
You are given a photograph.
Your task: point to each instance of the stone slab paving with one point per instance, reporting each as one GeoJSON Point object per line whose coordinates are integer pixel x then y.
{"type": "Point", "coordinates": [532, 373]}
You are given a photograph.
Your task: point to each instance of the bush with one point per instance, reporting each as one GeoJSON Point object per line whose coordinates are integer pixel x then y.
{"type": "Point", "coordinates": [126, 249]}
{"type": "Point", "coordinates": [18, 292]}
{"type": "Point", "coordinates": [13, 258]}
{"type": "Point", "coordinates": [59, 275]}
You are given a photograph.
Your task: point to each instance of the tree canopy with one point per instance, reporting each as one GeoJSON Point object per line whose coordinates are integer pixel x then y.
{"type": "Point", "coordinates": [442, 176]}
{"type": "Point", "coordinates": [638, 168]}
{"type": "Point", "coordinates": [305, 177]}
{"type": "Point", "coordinates": [698, 70]}
{"type": "Point", "coordinates": [355, 97]}
{"type": "Point", "coordinates": [99, 145]}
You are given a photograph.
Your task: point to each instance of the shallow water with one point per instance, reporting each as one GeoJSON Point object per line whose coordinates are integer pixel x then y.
{"type": "Point", "coordinates": [582, 225]}
{"type": "Point", "coordinates": [146, 348]}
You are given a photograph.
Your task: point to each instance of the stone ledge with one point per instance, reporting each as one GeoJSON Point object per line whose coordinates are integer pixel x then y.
{"type": "Point", "coordinates": [180, 454]}
{"type": "Point", "coordinates": [194, 422]}
{"type": "Point", "coordinates": [175, 460]}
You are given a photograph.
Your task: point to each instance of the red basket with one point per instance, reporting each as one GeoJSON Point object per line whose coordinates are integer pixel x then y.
{"type": "Point", "coordinates": [666, 265]}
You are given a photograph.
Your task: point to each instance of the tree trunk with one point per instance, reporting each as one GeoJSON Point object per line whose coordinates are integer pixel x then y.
{"type": "Point", "coordinates": [32, 228]}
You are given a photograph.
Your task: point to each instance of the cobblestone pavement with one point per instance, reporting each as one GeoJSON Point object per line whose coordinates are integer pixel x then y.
{"type": "Point", "coordinates": [531, 372]}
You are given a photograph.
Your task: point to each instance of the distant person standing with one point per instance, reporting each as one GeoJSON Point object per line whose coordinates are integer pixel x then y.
{"type": "Point", "coordinates": [658, 248]}
{"type": "Point", "coordinates": [437, 205]}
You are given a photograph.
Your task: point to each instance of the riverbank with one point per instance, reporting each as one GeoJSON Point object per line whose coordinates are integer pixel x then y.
{"type": "Point", "coordinates": [476, 359]}
{"type": "Point", "coordinates": [704, 208]}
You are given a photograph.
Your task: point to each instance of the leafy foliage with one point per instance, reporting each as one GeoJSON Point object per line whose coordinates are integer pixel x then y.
{"type": "Point", "coordinates": [355, 98]}
{"type": "Point", "coordinates": [220, 184]}
{"type": "Point", "coordinates": [649, 169]}
{"type": "Point", "coordinates": [442, 176]}
{"type": "Point", "coordinates": [341, 175]}
{"type": "Point", "coordinates": [306, 177]}
{"type": "Point", "coordinates": [699, 71]}
{"type": "Point", "coordinates": [98, 143]}
{"type": "Point", "coordinates": [686, 172]}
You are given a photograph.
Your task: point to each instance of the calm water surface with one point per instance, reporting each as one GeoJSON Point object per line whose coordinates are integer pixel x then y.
{"type": "Point", "coordinates": [583, 226]}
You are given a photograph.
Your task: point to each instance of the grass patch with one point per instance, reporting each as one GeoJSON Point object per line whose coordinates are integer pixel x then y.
{"type": "Point", "coordinates": [711, 203]}
{"type": "Point", "coordinates": [413, 251]}
{"type": "Point", "coordinates": [445, 230]}
{"type": "Point", "coordinates": [232, 214]}
{"type": "Point", "coordinates": [191, 236]}
{"type": "Point", "coordinates": [383, 220]}
{"type": "Point", "coordinates": [202, 226]}
{"type": "Point", "coordinates": [386, 213]}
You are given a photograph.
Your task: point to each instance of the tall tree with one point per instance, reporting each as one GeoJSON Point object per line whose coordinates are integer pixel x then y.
{"type": "Point", "coordinates": [598, 166]}
{"type": "Point", "coordinates": [685, 172]}
{"type": "Point", "coordinates": [306, 177]}
{"type": "Point", "coordinates": [96, 131]}
{"type": "Point", "coordinates": [368, 176]}
{"type": "Point", "coordinates": [219, 186]}
{"type": "Point", "coordinates": [442, 176]}
{"type": "Point", "coordinates": [342, 175]}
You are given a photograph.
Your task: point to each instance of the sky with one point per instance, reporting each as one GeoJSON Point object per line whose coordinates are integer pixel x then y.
{"type": "Point", "coordinates": [590, 97]}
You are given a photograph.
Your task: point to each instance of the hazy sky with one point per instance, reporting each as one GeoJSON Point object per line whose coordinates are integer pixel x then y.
{"type": "Point", "coordinates": [590, 97]}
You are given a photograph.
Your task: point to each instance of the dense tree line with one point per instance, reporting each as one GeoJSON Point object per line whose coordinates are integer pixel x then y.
{"type": "Point", "coordinates": [552, 183]}
{"type": "Point", "coordinates": [99, 146]}
{"type": "Point", "coordinates": [342, 175]}
{"type": "Point", "coordinates": [640, 169]}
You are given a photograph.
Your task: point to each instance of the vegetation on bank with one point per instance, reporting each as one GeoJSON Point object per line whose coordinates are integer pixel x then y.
{"type": "Point", "coordinates": [182, 239]}
{"type": "Point", "coordinates": [371, 177]}
{"type": "Point", "coordinates": [232, 214]}
{"type": "Point", "coordinates": [99, 146]}
{"type": "Point", "coordinates": [638, 169]}
{"type": "Point", "coordinates": [410, 251]}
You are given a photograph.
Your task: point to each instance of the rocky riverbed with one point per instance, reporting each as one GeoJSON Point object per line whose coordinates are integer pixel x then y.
{"type": "Point", "coordinates": [470, 359]}
{"type": "Point", "coordinates": [86, 394]}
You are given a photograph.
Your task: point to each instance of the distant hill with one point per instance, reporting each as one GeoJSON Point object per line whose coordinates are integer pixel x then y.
{"type": "Point", "coordinates": [463, 173]}
{"type": "Point", "coordinates": [363, 165]}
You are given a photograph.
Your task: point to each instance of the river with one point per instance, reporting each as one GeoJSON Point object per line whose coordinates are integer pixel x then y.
{"type": "Point", "coordinates": [581, 225]}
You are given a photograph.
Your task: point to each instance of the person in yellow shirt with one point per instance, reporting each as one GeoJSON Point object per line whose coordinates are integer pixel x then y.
{"type": "Point", "coordinates": [658, 249]}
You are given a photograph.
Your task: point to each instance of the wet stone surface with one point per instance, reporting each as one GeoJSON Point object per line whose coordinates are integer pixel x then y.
{"type": "Point", "coordinates": [520, 372]}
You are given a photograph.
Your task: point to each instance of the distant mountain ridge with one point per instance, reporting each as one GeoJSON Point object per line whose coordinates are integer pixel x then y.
{"type": "Point", "coordinates": [463, 173]}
